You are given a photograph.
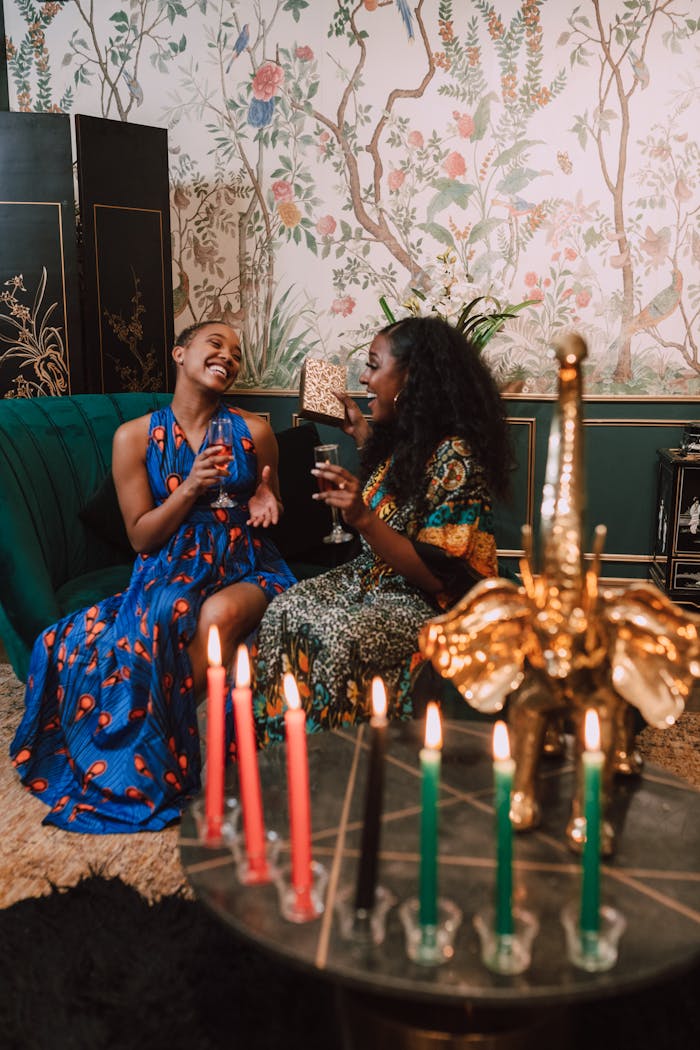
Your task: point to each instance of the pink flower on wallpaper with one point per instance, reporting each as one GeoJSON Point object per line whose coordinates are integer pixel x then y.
{"type": "Point", "coordinates": [656, 244]}
{"type": "Point", "coordinates": [282, 190]}
{"type": "Point", "coordinates": [465, 124]}
{"type": "Point", "coordinates": [682, 190]}
{"type": "Point", "coordinates": [267, 80]}
{"type": "Point", "coordinates": [570, 254]}
{"type": "Point", "coordinates": [555, 256]}
{"type": "Point", "coordinates": [326, 226]}
{"type": "Point", "coordinates": [396, 179]}
{"type": "Point", "coordinates": [304, 54]}
{"type": "Point", "coordinates": [415, 139]}
{"type": "Point", "coordinates": [535, 293]}
{"type": "Point", "coordinates": [530, 279]}
{"type": "Point", "coordinates": [455, 165]}
{"type": "Point", "coordinates": [583, 299]}
{"type": "Point", "coordinates": [344, 306]}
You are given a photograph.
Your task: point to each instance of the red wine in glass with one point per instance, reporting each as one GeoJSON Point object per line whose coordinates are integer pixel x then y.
{"type": "Point", "coordinates": [329, 454]}
{"type": "Point", "coordinates": [220, 432]}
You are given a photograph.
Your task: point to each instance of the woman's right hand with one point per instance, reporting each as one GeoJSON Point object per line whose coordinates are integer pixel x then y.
{"type": "Point", "coordinates": [354, 423]}
{"type": "Point", "coordinates": [206, 470]}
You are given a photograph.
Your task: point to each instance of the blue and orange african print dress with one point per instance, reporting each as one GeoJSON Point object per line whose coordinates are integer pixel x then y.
{"type": "Point", "coordinates": [109, 738]}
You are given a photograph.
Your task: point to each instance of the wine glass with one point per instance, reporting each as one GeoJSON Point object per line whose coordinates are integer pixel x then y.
{"type": "Point", "coordinates": [329, 454]}
{"type": "Point", "coordinates": [220, 432]}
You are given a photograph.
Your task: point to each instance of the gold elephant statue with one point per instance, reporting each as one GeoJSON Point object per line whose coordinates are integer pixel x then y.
{"type": "Point", "coordinates": [558, 645]}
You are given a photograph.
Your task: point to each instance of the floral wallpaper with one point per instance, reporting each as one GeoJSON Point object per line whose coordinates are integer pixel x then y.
{"type": "Point", "coordinates": [324, 153]}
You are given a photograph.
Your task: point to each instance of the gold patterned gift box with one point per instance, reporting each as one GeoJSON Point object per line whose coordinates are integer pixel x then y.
{"type": "Point", "coordinates": [316, 398]}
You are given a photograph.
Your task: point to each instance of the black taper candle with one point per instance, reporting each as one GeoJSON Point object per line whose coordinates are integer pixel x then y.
{"type": "Point", "coordinates": [369, 848]}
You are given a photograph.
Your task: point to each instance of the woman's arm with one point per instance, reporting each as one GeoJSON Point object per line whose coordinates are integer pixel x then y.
{"type": "Point", "coordinates": [391, 546]}
{"type": "Point", "coordinates": [147, 526]}
{"type": "Point", "coordinates": [265, 505]}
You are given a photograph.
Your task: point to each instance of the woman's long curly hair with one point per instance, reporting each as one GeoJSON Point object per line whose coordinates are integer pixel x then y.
{"type": "Point", "coordinates": [448, 392]}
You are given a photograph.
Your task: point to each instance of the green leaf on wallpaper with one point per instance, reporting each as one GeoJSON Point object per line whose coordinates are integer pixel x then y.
{"type": "Point", "coordinates": [514, 151]}
{"type": "Point", "coordinates": [449, 192]}
{"type": "Point", "coordinates": [516, 180]}
{"type": "Point", "coordinates": [120, 16]}
{"type": "Point", "coordinates": [296, 7]}
{"type": "Point", "coordinates": [481, 116]}
{"type": "Point", "coordinates": [439, 232]}
{"type": "Point", "coordinates": [484, 265]}
{"type": "Point", "coordinates": [484, 229]}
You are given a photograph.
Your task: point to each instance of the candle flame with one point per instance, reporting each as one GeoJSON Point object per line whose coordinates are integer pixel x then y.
{"type": "Point", "coordinates": [291, 692]}
{"type": "Point", "coordinates": [501, 741]}
{"type": "Point", "coordinates": [378, 698]}
{"type": "Point", "coordinates": [214, 646]}
{"type": "Point", "coordinates": [242, 668]}
{"type": "Point", "coordinates": [433, 728]}
{"type": "Point", "coordinates": [591, 730]}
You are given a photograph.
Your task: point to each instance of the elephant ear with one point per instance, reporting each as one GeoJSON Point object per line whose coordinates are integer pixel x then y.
{"type": "Point", "coordinates": [654, 652]}
{"type": "Point", "coordinates": [480, 643]}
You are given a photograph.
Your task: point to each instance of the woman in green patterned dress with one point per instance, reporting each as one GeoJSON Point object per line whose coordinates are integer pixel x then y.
{"type": "Point", "coordinates": [436, 452]}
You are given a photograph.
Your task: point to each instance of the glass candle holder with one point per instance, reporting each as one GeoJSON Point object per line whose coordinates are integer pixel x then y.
{"type": "Point", "coordinates": [428, 944]}
{"type": "Point", "coordinates": [593, 950]}
{"type": "Point", "coordinates": [301, 905]}
{"type": "Point", "coordinates": [506, 953]}
{"type": "Point", "coordinates": [362, 925]}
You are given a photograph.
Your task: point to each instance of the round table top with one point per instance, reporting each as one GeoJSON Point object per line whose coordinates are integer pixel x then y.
{"type": "Point", "coordinates": [653, 879]}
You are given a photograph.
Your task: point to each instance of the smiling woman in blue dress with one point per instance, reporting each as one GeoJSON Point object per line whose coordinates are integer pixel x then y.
{"type": "Point", "coordinates": [109, 737]}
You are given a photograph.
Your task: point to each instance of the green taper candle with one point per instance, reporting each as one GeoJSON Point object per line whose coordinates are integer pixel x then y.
{"type": "Point", "coordinates": [430, 757]}
{"type": "Point", "coordinates": [593, 759]}
{"type": "Point", "coordinates": [503, 772]}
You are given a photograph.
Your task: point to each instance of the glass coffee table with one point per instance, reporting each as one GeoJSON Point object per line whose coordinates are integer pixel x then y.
{"type": "Point", "coordinates": [387, 1000]}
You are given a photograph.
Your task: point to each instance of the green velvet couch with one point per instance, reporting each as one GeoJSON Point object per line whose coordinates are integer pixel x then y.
{"type": "Point", "coordinates": [55, 455]}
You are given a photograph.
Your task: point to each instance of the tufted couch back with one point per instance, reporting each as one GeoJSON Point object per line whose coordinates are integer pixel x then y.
{"type": "Point", "coordinates": [54, 451]}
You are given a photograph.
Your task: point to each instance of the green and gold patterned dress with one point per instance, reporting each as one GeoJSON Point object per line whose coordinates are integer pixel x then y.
{"type": "Point", "coordinates": [338, 630]}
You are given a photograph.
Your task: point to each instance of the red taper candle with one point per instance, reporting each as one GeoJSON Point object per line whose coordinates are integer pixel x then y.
{"type": "Point", "coordinates": [298, 788]}
{"type": "Point", "coordinates": [248, 771]}
{"type": "Point", "coordinates": [216, 690]}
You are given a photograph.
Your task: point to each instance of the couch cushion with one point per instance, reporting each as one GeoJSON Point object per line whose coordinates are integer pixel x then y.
{"type": "Point", "coordinates": [305, 520]}
{"type": "Point", "coordinates": [103, 516]}
{"type": "Point", "coordinates": [92, 587]}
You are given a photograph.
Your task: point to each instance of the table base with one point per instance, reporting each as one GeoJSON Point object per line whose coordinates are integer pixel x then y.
{"type": "Point", "coordinates": [374, 1023]}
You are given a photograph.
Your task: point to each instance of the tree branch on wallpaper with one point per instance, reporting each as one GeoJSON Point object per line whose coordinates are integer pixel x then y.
{"type": "Point", "coordinates": [316, 167]}
{"type": "Point", "coordinates": [632, 30]}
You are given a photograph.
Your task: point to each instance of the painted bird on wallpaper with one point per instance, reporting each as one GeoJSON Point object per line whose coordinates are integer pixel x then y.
{"type": "Point", "coordinates": [640, 70]}
{"type": "Point", "coordinates": [406, 15]}
{"type": "Point", "coordinates": [517, 207]}
{"type": "Point", "coordinates": [240, 45]}
{"type": "Point", "coordinates": [135, 89]}
{"type": "Point", "coordinates": [181, 294]}
{"type": "Point", "coordinates": [661, 306]}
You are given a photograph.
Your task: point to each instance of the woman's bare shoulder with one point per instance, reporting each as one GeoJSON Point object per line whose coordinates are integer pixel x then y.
{"type": "Point", "coordinates": [132, 433]}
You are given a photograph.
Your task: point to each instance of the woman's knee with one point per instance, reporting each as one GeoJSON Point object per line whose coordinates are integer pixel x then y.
{"type": "Point", "coordinates": [235, 614]}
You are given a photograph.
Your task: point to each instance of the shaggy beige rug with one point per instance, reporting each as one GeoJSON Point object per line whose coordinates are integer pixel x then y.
{"type": "Point", "coordinates": [33, 857]}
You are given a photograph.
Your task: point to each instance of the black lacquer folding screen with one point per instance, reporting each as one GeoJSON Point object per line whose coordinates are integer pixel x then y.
{"type": "Point", "coordinates": [125, 220]}
{"type": "Point", "coordinates": [40, 332]}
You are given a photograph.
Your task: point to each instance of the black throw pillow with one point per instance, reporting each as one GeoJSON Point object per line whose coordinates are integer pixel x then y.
{"type": "Point", "coordinates": [101, 513]}
{"type": "Point", "coordinates": [305, 520]}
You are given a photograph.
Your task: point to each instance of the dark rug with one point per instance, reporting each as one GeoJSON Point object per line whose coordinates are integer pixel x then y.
{"type": "Point", "coordinates": [96, 966]}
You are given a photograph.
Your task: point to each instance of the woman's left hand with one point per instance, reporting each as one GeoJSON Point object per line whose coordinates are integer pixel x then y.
{"type": "Point", "coordinates": [263, 506]}
{"type": "Point", "coordinates": [346, 493]}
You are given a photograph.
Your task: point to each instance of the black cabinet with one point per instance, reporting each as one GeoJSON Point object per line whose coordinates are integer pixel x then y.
{"type": "Point", "coordinates": [675, 564]}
